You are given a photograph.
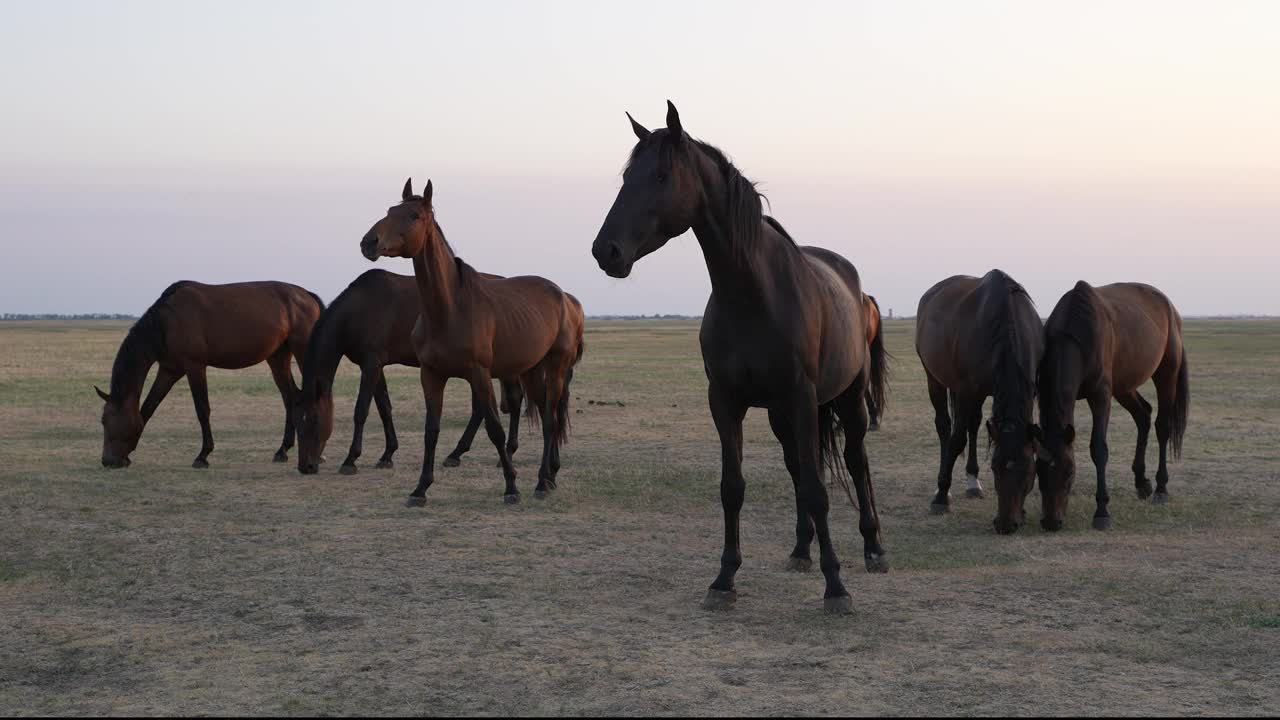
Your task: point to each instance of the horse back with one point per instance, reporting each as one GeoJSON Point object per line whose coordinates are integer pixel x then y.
{"type": "Point", "coordinates": [1145, 332]}
{"type": "Point", "coordinates": [234, 325]}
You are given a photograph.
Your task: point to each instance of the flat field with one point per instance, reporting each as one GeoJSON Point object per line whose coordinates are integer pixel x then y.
{"type": "Point", "coordinates": [250, 589]}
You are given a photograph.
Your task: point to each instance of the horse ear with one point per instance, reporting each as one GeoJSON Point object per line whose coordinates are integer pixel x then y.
{"type": "Point", "coordinates": [426, 194]}
{"type": "Point", "coordinates": [105, 397]}
{"type": "Point", "coordinates": [407, 192]}
{"type": "Point", "coordinates": [674, 129]}
{"type": "Point", "coordinates": [642, 133]}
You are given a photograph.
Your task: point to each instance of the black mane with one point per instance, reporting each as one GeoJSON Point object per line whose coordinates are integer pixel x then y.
{"type": "Point", "coordinates": [1015, 386]}
{"type": "Point", "coordinates": [1079, 320]}
{"type": "Point", "coordinates": [144, 344]}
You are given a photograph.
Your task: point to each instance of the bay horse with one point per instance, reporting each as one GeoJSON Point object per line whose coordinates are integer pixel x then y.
{"type": "Point", "coordinates": [1101, 343]}
{"type": "Point", "coordinates": [476, 328]}
{"type": "Point", "coordinates": [369, 323]}
{"type": "Point", "coordinates": [193, 326]}
{"type": "Point", "coordinates": [872, 309]}
{"type": "Point", "coordinates": [980, 338]}
{"type": "Point", "coordinates": [785, 329]}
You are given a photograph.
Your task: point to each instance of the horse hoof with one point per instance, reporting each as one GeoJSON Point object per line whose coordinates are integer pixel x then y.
{"type": "Point", "coordinates": [415, 501]}
{"type": "Point", "coordinates": [797, 564]}
{"type": "Point", "coordinates": [877, 563]}
{"type": "Point", "coordinates": [512, 499]}
{"type": "Point", "coordinates": [939, 509]}
{"type": "Point", "coordinates": [1102, 523]}
{"type": "Point", "coordinates": [280, 456]}
{"type": "Point", "coordinates": [384, 464]}
{"type": "Point", "coordinates": [452, 461]}
{"type": "Point", "coordinates": [873, 427]}
{"type": "Point", "coordinates": [973, 493]}
{"type": "Point", "coordinates": [541, 494]}
{"type": "Point", "coordinates": [349, 469]}
{"type": "Point", "coordinates": [720, 600]}
{"type": "Point", "coordinates": [1160, 498]}
{"type": "Point", "coordinates": [842, 605]}
{"type": "Point", "coordinates": [1143, 489]}
{"type": "Point", "coordinates": [200, 464]}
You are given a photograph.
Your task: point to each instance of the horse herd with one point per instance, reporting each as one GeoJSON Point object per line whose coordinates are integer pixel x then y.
{"type": "Point", "coordinates": [787, 328]}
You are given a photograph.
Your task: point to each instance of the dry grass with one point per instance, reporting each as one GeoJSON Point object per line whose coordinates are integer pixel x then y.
{"type": "Point", "coordinates": [248, 588]}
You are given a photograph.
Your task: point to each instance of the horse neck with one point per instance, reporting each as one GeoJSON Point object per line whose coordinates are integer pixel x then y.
{"type": "Point", "coordinates": [1064, 363]}
{"type": "Point", "coordinates": [133, 361]}
{"type": "Point", "coordinates": [324, 351]}
{"type": "Point", "coordinates": [733, 274]}
{"type": "Point", "coordinates": [436, 274]}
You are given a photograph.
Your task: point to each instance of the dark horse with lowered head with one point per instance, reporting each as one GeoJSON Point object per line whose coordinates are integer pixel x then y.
{"type": "Point", "coordinates": [369, 323]}
{"type": "Point", "coordinates": [785, 329]}
{"type": "Point", "coordinates": [1101, 343]}
{"type": "Point", "coordinates": [477, 328]}
{"type": "Point", "coordinates": [978, 338]}
{"type": "Point", "coordinates": [191, 327]}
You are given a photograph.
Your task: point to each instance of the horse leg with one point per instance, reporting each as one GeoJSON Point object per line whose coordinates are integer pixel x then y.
{"type": "Point", "coordinates": [942, 424]}
{"type": "Point", "coordinates": [513, 398]}
{"type": "Point", "coordinates": [165, 379]}
{"type": "Point", "coordinates": [370, 378]}
{"type": "Point", "coordinates": [382, 400]}
{"type": "Point", "coordinates": [484, 401]}
{"type": "Point", "coordinates": [280, 372]}
{"type": "Point", "coordinates": [974, 488]}
{"type": "Point", "coordinates": [799, 560]}
{"type": "Point", "coordinates": [873, 413]}
{"type": "Point", "coordinates": [552, 388]}
{"type": "Point", "coordinates": [727, 412]}
{"type": "Point", "coordinates": [1140, 409]}
{"type": "Point", "coordinates": [854, 419]}
{"type": "Point", "coordinates": [200, 396]}
{"type": "Point", "coordinates": [454, 458]}
{"type": "Point", "coordinates": [802, 416]}
{"type": "Point", "coordinates": [1166, 394]}
{"type": "Point", "coordinates": [951, 449]}
{"type": "Point", "coordinates": [433, 394]}
{"type": "Point", "coordinates": [1100, 405]}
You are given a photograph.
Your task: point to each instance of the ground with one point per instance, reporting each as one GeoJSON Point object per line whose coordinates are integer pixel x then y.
{"type": "Point", "coordinates": [250, 589]}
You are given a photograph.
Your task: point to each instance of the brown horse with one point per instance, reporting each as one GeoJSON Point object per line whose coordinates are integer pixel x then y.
{"type": "Point", "coordinates": [1102, 343]}
{"type": "Point", "coordinates": [785, 329]}
{"type": "Point", "coordinates": [872, 310]}
{"type": "Point", "coordinates": [369, 323]}
{"type": "Point", "coordinates": [477, 328]}
{"type": "Point", "coordinates": [191, 327]}
{"type": "Point", "coordinates": [978, 338]}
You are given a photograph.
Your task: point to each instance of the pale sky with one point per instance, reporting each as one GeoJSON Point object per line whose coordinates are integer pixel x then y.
{"type": "Point", "coordinates": [147, 142]}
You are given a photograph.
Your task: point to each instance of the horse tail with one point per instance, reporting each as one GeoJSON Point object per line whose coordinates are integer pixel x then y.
{"type": "Point", "coordinates": [1181, 403]}
{"type": "Point", "coordinates": [829, 431]}
{"type": "Point", "coordinates": [878, 383]}
{"type": "Point", "coordinates": [562, 409]}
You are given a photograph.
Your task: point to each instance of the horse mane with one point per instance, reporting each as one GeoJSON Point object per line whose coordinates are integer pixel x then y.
{"type": "Point", "coordinates": [746, 212]}
{"type": "Point", "coordinates": [1079, 319]}
{"type": "Point", "coordinates": [1015, 385]}
{"type": "Point", "coordinates": [144, 344]}
{"type": "Point", "coordinates": [326, 326]}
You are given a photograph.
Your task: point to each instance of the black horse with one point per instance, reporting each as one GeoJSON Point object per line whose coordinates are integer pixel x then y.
{"type": "Point", "coordinates": [784, 329]}
{"type": "Point", "coordinates": [978, 338]}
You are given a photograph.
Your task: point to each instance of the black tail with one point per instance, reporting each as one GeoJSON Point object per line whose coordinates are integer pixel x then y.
{"type": "Point", "coordinates": [829, 431]}
{"type": "Point", "coordinates": [1181, 404]}
{"type": "Point", "coordinates": [878, 383]}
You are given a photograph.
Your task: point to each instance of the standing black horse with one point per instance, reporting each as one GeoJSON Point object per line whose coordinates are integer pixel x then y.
{"type": "Point", "coordinates": [370, 324]}
{"type": "Point", "coordinates": [784, 329]}
{"type": "Point", "coordinates": [978, 338]}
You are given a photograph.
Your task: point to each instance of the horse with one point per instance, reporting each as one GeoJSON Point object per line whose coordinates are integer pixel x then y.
{"type": "Point", "coordinates": [476, 328]}
{"type": "Point", "coordinates": [872, 309]}
{"type": "Point", "coordinates": [1101, 343]}
{"type": "Point", "coordinates": [193, 326]}
{"type": "Point", "coordinates": [785, 329]}
{"type": "Point", "coordinates": [369, 323]}
{"type": "Point", "coordinates": [980, 338]}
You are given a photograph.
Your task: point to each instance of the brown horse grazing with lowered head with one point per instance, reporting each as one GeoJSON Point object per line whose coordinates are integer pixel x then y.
{"type": "Point", "coordinates": [978, 338]}
{"type": "Point", "coordinates": [191, 327]}
{"type": "Point", "coordinates": [1102, 343]}
{"type": "Point", "coordinates": [369, 323]}
{"type": "Point", "coordinates": [478, 328]}
{"type": "Point", "coordinates": [785, 329]}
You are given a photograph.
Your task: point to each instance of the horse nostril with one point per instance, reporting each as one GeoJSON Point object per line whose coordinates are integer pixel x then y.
{"type": "Point", "coordinates": [615, 253]}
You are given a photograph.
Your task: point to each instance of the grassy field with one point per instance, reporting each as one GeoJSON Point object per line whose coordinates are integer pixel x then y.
{"type": "Point", "coordinates": [248, 588]}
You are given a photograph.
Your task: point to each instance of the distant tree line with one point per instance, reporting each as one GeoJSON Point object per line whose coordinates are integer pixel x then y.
{"type": "Point", "coordinates": [60, 316]}
{"type": "Point", "coordinates": [644, 317]}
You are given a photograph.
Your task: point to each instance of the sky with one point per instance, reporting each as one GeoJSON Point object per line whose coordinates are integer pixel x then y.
{"type": "Point", "coordinates": [147, 142]}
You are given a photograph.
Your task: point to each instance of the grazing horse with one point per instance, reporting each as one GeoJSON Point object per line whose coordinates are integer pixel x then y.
{"type": "Point", "coordinates": [872, 309]}
{"type": "Point", "coordinates": [1102, 343]}
{"type": "Point", "coordinates": [978, 338]}
{"type": "Point", "coordinates": [193, 326]}
{"type": "Point", "coordinates": [785, 329]}
{"type": "Point", "coordinates": [476, 328]}
{"type": "Point", "coordinates": [369, 324]}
